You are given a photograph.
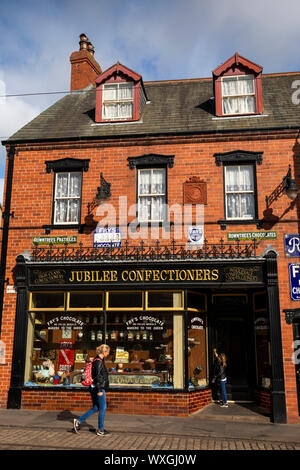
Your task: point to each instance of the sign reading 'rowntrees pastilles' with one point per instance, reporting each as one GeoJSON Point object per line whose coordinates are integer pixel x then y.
{"type": "Point", "coordinates": [54, 240]}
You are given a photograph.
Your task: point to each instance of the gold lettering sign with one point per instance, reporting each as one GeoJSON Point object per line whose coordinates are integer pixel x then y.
{"type": "Point", "coordinates": [242, 274]}
{"type": "Point", "coordinates": [145, 275]}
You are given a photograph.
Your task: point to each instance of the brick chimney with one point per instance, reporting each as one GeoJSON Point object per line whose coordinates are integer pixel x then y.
{"type": "Point", "coordinates": [84, 68]}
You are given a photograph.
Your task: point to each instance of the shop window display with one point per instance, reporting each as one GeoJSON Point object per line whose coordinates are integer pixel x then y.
{"type": "Point", "coordinates": [146, 347]}
{"type": "Point", "coordinates": [197, 340]}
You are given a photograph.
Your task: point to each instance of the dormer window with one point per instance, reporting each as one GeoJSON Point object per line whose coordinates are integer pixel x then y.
{"type": "Point", "coordinates": [237, 87]}
{"type": "Point", "coordinates": [120, 95]}
{"type": "Point", "coordinates": [117, 101]}
{"type": "Point", "coordinates": [238, 94]}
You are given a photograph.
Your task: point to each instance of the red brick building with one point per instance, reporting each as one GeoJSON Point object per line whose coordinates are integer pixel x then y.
{"type": "Point", "coordinates": [159, 217]}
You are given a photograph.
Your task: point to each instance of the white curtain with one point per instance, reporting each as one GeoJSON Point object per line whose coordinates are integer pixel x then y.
{"type": "Point", "coordinates": [152, 184]}
{"type": "Point", "coordinates": [118, 92]}
{"type": "Point", "coordinates": [239, 205]}
{"type": "Point", "coordinates": [232, 89]}
{"type": "Point", "coordinates": [67, 197]}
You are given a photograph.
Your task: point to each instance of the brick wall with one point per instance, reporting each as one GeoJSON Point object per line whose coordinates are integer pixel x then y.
{"type": "Point", "coordinates": [139, 403]}
{"type": "Point", "coordinates": [32, 205]}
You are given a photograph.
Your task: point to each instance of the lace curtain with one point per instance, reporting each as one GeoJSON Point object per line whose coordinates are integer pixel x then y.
{"type": "Point", "coordinates": [238, 95]}
{"type": "Point", "coordinates": [239, 188]}
{"type": "Point", "coordinates": [118, 93]}
{"type": "Point", "coordinates": [67, 197]}
{"type": "Point", "coordinates": [151, 190]}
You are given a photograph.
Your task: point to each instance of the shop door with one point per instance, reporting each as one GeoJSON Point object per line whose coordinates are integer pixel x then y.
{"type": "Point", "coordinates": [296, 328]}
{"type": "Point", "coordinates": [233, 340]}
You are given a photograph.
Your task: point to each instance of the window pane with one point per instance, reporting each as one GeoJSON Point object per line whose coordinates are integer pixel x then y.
{"type": "Point", "coordinates": [86, 300]}
{"type": "Point", "coordinates": [164, 299]}
{"type": "Point", "coordinates": [61, 187]}
{"type": "Point", "coordinates": [158, 208]}
{"type": "Point", "coordinates": [61, 210]}
{"type": "Point", "coordinates": [110, 111]}
{"type": "Point", "coordinates": [74, 208]}
{"type": "Point", "coordinates": [231, 178]}
{"type": "Point", "coordinates": [246, 178]}
{"type": "Point", "coordinates": [125, 110]}
{"type": "Point", "coordinates": [197, 369]}
{"type": "Point", "coordinates": [144, 181]}
{"type": "Point", "coordinates": [125, 299]}
{"type": "Point", "coordinates": [109, 92]}
{"type": "Point", "coordinates": [75, 184]}
{"type": "Point", "coordinates": [47, 300]}
{"type": "Point", "coordinates": [158, 182]}
{"type": "Point", "coordinates": [247, 206]}
{"type": "Point", "coordinates": [125, 91]}
{"type": "Point", "coordinates": [232, 206]}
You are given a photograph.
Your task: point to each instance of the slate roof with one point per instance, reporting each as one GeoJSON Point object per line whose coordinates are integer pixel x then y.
{"type": "Point", "coordinates": [175, 107]}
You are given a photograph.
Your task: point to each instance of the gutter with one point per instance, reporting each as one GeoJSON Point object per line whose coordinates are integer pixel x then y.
{"type": "Point", "coordinates": [6, 216]}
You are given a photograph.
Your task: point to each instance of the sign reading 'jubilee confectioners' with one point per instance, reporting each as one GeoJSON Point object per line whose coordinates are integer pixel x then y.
{"type": "Point", "coordinates": [137, 276]}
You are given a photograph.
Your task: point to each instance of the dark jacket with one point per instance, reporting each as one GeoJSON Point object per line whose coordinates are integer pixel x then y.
{"type": "Point", "coordinates": [220, 371]}
{"type": "Point", "coordinates": [100, 374]}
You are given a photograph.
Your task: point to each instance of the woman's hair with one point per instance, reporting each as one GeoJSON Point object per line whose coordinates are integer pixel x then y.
{"type": "Point", "coordinates": [222, 357]}
{"type": "Point", "coordinates": [102, 349]}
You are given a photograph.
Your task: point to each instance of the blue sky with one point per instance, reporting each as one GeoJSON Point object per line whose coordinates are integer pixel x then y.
{"type": "Point", "coordinates": [160, 39]}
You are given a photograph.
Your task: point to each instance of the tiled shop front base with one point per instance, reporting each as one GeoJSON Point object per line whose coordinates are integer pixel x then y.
{"type": "Point", "coordinates": [161, 404]}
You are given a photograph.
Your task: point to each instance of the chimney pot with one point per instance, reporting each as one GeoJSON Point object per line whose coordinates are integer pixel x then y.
{"type": "Point", "coordinates": [90, 48]}
{"type": "Point", "coordinates": [83, 43]}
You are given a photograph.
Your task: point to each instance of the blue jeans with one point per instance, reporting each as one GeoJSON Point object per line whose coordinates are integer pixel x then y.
{"type": "Point", "coordinates": [223, 390]}
{"type": "Point", "coordinates": [99, 404]}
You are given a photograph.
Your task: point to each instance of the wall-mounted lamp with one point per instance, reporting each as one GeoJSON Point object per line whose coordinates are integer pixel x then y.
{"type": "Point", "coordinates": [103, 191]}
{"type": "Point", "coordinates": [287, 186]}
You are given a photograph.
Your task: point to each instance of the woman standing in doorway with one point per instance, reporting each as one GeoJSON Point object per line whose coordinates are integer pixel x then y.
{"type": "Point", "coordinates": [220, 376]}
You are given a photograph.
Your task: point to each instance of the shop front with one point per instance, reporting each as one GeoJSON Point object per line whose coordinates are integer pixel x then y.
{"type": "Point", "coordinates": [161, 318]}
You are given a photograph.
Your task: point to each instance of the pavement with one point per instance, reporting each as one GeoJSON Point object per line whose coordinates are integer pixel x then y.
{"type": "Point", "coordinates": [238, 427]}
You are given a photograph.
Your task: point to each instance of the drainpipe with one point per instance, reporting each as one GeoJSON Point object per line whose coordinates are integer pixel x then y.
{"type": "Point", "coordinates": [6, 216]}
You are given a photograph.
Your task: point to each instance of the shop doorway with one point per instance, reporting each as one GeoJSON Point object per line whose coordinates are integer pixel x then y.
{"type": "Point", "coordinates": [296, 328]}
{"type": "Point", "coordinates": [232, 333]}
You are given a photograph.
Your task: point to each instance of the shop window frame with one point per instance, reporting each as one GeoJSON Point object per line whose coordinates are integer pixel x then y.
{"type": "Point", "coordinates": [171, 309]}
{"type": "Point", "coordinates": [35, 309]}
{"type": "Point", "coordinates": [192, 309]}
{"type": "Point", "coordinates": [124, 309]}
{"type": "Point", "coordinates": [84, 309]}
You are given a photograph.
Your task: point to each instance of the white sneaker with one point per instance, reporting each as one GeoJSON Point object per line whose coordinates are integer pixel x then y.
{"type": "Point", "coordinates": [76, 426]}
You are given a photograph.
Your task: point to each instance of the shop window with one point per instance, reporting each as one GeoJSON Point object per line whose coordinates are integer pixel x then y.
{"type": "Point", "coordinates": [197, 340]}
{"type": "Point", "coordinates": [163, 300]}
{"type": "Point", "coordinates": [125, 300]}
{"type": "Point", "coordinates": [85, 300]}
{"type": "Point", "coordinates": [47, 300]}
{"type": "Point", "coordinates": [146, 350]}
{"type": "Point", "coordinates": [262, 340]}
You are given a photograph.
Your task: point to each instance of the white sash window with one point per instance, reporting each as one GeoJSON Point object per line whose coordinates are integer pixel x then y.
{"type": "Point", "coordinates": [239, 192]}
{"type": "Point", "coordinates": [117, 101]}
{"type": "Point", "coordinates": [238, 94]}
{"type": "Point", "coordinates": [152, 195]}
{"type": "Point", "coordinates": [67, 198]}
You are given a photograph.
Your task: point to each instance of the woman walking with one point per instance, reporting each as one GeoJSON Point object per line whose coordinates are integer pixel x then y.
{"type": "Point", "coordinates": [97, 390]}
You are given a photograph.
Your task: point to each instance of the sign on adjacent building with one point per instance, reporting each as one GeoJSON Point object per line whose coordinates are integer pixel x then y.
{"type": "Point", "coordinates": [291, 245]}
{"type": "Point", "coordinates": [294, 273]}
